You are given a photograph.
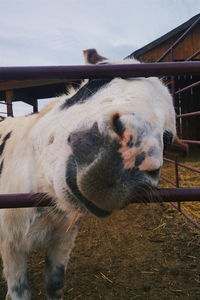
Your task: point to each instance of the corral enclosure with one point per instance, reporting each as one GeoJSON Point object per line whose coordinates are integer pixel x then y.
{"type": "Point", "coordinates": [144, 252]}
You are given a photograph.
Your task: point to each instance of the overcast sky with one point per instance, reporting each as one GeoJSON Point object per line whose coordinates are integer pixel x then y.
{"type": "Point", "coordinates": [49, 32]}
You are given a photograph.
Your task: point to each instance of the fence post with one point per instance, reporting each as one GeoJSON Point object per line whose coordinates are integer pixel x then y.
{"type": "Point", "coordinates": [35, 106]}
{"type": "Point", "coordinates": [9, 100]}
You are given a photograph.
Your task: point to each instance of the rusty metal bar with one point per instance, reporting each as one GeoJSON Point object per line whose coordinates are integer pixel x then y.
{"type": "Point", "coordinates": [188, 87]}
{"type": "Point", "coordinates": [181, 38]}
{"type": "Point", "coordinates": [182, 211]}
{"type": "Point", "coordinates": [182, 165]}
{"type": "Point", "coordinates": [196, 113]}
{"type": "Point", "coordinates": [191, 142]}
{"type": "Point", "coordinates": [170, 195]}
{"type": "Point", "coordinates": [193, 55]}
{"type": "Point", "coordinates": [100, 71]}
{"type": "Point", "coordinates": [177, 179]}
{"type": "Point", "coordinates": [167, 180]}
{"type": "Point", "coordinates": [160, 195]}
{"type": "Point", "coordinates": [177, 173]}
{"type": "Point", "coordinates": [24, 200]}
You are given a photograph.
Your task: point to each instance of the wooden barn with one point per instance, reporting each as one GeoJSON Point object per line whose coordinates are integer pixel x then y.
{"type": "Point", "coordinates": [180, 44]}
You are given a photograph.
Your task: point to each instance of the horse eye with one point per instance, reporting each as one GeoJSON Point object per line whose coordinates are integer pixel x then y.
{"type": "Point", "coordinates": [167, 138]}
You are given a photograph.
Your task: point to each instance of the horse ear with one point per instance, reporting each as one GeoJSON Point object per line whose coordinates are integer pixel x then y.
{"type": "Point", "coordinates": [91, 56]}
{"type": "Point", "coordinates": [177, 148]}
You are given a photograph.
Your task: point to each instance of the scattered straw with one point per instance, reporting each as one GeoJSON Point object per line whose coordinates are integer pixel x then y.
{"type": "Point", "coordinates": [105, 277]}
{"type": "Point", "coordinates": [160, 226]}
{"type": "Point", "coordinates": [71, 224]}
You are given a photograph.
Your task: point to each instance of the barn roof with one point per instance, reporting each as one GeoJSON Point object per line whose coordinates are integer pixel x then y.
{"type": "Point", "coordinates": [165, 37]}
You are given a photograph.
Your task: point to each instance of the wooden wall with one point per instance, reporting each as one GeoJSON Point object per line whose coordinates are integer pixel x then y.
{"type": "Point", "coordinates": [186, 48]}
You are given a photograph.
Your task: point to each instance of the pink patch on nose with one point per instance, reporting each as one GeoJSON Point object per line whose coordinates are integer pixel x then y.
{"type": "Point", "coordinates": [126, 137]}
{"type": "Point", "coordinates": [128, 154]}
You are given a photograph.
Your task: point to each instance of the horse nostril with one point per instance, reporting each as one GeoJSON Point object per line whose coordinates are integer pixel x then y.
{"type": "Point", "coordinates": [117, 124]}
{"type": "Point", "coordinates": [153, 173]}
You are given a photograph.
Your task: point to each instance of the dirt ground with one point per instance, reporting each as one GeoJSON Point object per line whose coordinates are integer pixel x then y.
{"type": "Point", "coordinates": [145, 252]}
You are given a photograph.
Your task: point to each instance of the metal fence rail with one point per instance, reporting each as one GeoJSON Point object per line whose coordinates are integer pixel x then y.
{"type": "Point", "coordinates": [154, 196]}
{"type": "Point", "coordinates": [99, 71]}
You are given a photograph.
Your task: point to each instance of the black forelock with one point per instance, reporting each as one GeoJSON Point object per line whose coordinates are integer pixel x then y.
{"type": "Point", "coordinates": [86, 92]}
